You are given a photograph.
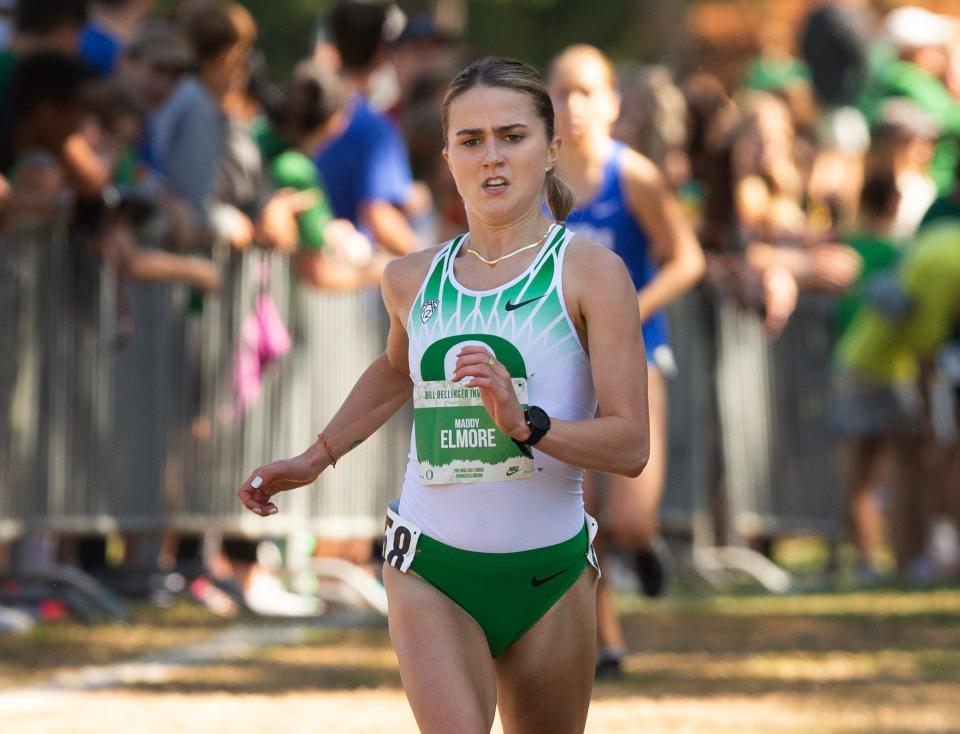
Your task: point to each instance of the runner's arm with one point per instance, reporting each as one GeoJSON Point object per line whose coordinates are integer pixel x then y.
{"type": "Point", "coordinates": [376, 396]}
{"type": "Point", "coordinates": [389, 226]}
{"type": "Point", "coordinates": [381, 390]}
{"type": "Point", "coordinates": [675, 245]}
{"type": "Point", "coordinates": [618, 439]}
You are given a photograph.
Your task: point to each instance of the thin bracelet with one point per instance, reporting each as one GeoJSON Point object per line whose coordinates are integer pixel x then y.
{"type": "Point", "coordinates": [323, 440]}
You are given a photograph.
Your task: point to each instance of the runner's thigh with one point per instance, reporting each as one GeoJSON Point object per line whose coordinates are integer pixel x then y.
{"type": "Point", "coordinates": [445, 663]}
{"type": "Point", "coordinates": [544, 680]}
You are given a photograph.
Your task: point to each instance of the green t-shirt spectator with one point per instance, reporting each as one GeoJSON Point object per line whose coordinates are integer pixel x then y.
{"type": "Point", "coordinates": [902, 79]}
{"type": "Point", "coordinates": [879, 252]}
{"type": "Point", "coordinates": [291, 169]}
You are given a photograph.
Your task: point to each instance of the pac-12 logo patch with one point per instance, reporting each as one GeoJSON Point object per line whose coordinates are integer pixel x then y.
{"type": "Point", "coordinates": [428, 309]}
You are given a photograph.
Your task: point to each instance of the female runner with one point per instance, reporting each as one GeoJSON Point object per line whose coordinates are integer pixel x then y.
{"type": "Point", "coordinates": [520, 344]}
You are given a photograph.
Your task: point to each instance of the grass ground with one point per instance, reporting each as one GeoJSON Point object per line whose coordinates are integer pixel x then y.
{"type": "Point", "coordinates": [874, 662]}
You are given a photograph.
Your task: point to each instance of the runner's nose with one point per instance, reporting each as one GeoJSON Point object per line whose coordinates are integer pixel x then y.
{"type": "Point", "coordinates": [492, 155]}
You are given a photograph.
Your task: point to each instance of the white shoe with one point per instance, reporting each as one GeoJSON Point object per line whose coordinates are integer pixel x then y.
{"type": "Point", "coordinates": [267, 596]}
{"type": "Point", "coordinates": [15, 621]}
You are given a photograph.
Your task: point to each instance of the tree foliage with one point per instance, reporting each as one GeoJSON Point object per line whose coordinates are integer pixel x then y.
{"type": "Point", "coordinates": [533, 30]}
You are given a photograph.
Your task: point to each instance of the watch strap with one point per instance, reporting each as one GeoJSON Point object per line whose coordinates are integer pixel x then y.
{"type": "Point", "coordinates": [524, 449]}
{"type": "Point", "coordinates": [535, 433]}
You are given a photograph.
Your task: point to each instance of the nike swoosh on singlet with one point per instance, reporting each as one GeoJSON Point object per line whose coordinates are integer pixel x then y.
{"type": "Point", "coordinates": [514, 306]}
{"type": "Point", "coordinates": [540, 582]}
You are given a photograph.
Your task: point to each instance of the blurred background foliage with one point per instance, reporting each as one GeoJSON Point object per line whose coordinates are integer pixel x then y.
{"type": "Point", "coordinates": [719, 35]}
{"type": "Point", "coordinates": [529, 29]}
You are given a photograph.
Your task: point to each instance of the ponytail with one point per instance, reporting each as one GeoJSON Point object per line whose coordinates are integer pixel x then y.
{"type": "Point", "coordinates": [559, 196]}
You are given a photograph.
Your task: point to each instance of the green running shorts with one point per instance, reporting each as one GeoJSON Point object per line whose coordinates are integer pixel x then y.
{"type": "Point", "coordinates": [506, 593]}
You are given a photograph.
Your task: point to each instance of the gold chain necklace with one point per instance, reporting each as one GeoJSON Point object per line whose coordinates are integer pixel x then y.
{"type": "Point", "coordinates": [509, 254]}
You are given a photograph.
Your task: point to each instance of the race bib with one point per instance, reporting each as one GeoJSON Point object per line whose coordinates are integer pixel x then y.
{"type": "Point", "coordinates": [400, 539]}
{"type": "Point", "coordinates": [457, 440]}
{"type": "Point", "coordinates": [592, 529]}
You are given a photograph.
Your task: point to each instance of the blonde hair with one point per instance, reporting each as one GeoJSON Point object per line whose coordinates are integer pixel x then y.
{"type": "Point", "coordinates": [585, 49]}
{"type": "Point", "coordinates": [244, 24]}
{"type": "Point", "coordinates": [520, 77]}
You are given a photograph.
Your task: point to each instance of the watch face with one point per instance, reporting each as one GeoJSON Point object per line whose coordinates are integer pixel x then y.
{"type": "Point", "coordinates": [539, 419]}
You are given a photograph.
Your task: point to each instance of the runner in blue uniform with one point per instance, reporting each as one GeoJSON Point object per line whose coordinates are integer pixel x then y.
{"type": "Point", "coordinates": [623, 202]}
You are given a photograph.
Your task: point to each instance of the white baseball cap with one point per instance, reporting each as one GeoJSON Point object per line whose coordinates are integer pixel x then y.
{"type": "Point", "coordinates": [913, 27]}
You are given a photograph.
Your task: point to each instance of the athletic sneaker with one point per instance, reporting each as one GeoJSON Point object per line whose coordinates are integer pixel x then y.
{"type": "Point", "coordinates": [609, 665]}
{"type": "Point", "coordinates": [655, 567]}
{"type": "Point", "coordinates": [267, 596]}
{"type": "Point", "coordinates": [15, 621]}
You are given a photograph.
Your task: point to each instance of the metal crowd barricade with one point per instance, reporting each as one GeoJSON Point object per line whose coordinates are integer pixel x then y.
{"type": "Point", "coordinates": [19, 257]}
{"type": "Point", "coordinates": [57, 396]}
{"type": "Point", "coordinates": [98, 435]}
{"type": "Point", "coordinates": [213, 439]}
{"type": "Point", "coordinates": [57, 387]}
{"type": "Point", "coordinates": [102, 434]}
{"type": "Point", "coordinates": [780, 474]}
{"type": "Point", "coordinates": [145, 398]}
{"type": "Point", "coordinates": [691, 418]}
{"type": "Point", "coordinates": [55, 406]}
{"type": "Point", "coordinates": [335, 336]}
{"type": "Point", "coordinates": [750, 456]}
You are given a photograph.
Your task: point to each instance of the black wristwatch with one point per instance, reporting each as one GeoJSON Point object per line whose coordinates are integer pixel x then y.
{"type": "Point", "coordinates": [539, 423]}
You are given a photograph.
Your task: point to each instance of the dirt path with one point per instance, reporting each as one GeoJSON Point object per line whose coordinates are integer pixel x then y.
{"type": "Point", "coordinates": [379, 710]}
{"type": "Point", "coordinates": [842, 664]}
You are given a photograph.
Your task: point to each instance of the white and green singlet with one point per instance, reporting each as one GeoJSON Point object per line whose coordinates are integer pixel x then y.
{"type": "Point", "coordinates": [467, 484]}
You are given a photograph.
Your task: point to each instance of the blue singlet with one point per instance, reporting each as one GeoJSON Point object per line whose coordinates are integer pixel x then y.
{"type": "Point", "coordinates": [608, 221]}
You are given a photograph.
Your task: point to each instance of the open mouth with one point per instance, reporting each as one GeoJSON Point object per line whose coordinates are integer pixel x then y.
{"type": "Point", "coordinates": [495, 184]}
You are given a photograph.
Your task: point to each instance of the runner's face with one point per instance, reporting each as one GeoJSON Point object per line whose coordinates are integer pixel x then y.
{"type": "Point", "coordinates": [583, 100]}
{"type": "Point", "coordinates": [498, 152]}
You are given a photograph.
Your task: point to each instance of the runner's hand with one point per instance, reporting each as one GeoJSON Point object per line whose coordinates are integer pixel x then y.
{"type": "Point", "coordinates": [496, 389]}
{"type": "Point", "coordinates": [255, 493]}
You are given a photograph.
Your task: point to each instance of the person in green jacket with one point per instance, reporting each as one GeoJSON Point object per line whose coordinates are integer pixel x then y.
{"type": "Point", "coordinates": [919, 40]}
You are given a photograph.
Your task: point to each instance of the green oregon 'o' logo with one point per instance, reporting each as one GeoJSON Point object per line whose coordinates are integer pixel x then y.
{"type": "Point", "coordinates": [431, 364]}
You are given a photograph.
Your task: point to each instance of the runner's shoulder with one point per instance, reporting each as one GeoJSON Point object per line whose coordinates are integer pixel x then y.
{"type": "Point", "coordinates": [404, 275]}
{"type": "Point", "coordinates": [588, 258]}
{"type": "Point", "coordinates": [640, 174]}
{"type": "Point", "coordinates": [590, 269]}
